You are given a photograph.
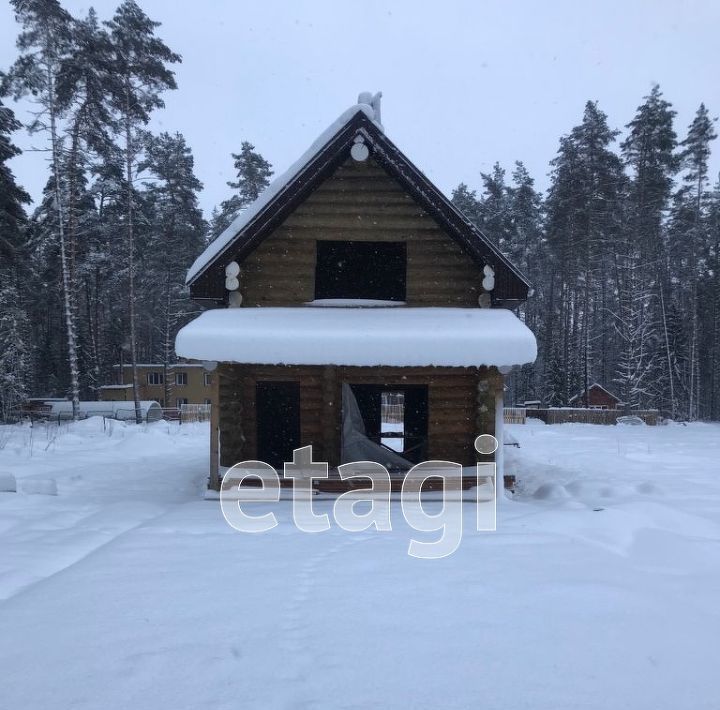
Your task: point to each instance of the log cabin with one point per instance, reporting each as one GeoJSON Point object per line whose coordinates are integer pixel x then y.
{"type": "Point", "coordinates": [353, 308]}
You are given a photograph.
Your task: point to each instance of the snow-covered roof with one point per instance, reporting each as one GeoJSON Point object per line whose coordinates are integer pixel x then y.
{"type": "Point", "coordinates": [276, 187]}
{"type": "Point", "coordinates": [593, 386]}
{"type": "Point", "coordinates": [455, 337]}
{"type": "Point", "coordinates": [332, 149]}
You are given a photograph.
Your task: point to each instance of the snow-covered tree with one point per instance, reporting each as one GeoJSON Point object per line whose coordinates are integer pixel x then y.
{"type": "Point", "coordinates": [584, 223]}
{"type": "Point", "coordinates": [15, 349]}
{"type": "Point", "coordinates": [709, 295]}
{"type": "Point", "coordinates": [12, 196]}
{"type": "Point", "coordinates": [689, 243]}
{"type": "Point", "coordinates": [44, 43]}
{"type": "Point", "coordinates": [176, 236]}
{"type": "Point", "coordinates": [139, 63]}
{"type": "Point", "coordinates": [467, 202]}
{"type": "Point", "coordinates": [649, 153]}
{"type": "Point", "coordinates": [253, 176]}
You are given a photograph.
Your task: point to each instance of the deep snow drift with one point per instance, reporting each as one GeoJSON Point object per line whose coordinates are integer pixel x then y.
{"type": "Point", "coordinates": [599, 589]}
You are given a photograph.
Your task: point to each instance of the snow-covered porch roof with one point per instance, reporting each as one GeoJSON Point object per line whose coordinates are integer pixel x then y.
{"type": "Point", "coordinates": [454, 337]}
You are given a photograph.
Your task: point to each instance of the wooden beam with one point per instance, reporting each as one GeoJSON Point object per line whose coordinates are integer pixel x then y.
{"type": "Point", "coordinates": [330, 414]}
{"type": "Point", "coordinates": [214, 478]}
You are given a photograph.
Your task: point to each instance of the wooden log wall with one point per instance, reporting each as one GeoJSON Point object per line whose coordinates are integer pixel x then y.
{"type": "Point", "coordinates": [460, 406]}
{"type": "Point", "coordinates": [238, 423]}
{"type": "Point", "coordinates": [360, 202]}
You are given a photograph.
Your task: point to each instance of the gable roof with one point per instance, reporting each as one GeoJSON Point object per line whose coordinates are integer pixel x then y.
{"type": "Point", "coordinates": [206, 276]}
{"type": "Point", "coordinates": [593, 386]}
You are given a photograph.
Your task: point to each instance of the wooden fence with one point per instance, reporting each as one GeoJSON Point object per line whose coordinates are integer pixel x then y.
{"type": "Point", "coordinates": [566, 415]}
{"type": "Point", "coordinates": [514, 415]}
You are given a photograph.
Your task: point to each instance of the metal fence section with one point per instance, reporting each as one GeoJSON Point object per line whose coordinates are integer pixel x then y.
{"type": "Point", "coordinates": [195, 413]}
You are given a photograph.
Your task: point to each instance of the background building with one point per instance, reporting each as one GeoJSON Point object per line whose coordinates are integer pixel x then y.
{"type": "Point", "coordinates": [182, 383]}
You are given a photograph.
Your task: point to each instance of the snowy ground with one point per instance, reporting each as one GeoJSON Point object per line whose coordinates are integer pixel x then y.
{"type": "Point", "coordinates": [126, 590]}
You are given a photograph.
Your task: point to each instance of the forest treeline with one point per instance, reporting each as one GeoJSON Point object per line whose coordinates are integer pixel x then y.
{"type": "Point", "coordinates": [94, 275]}
{"type": "Point", "coordinates": [622, 250]}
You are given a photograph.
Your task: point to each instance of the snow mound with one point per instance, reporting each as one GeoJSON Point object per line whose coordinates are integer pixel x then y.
{"type": "Point", "coordinates": [8, 484]}
{"type": "Point", "coordinates": [551, 491]}
{"type": "Point", "coordinates": [40, 486]}
{"type": "Point", "coordinates": [648, 489]}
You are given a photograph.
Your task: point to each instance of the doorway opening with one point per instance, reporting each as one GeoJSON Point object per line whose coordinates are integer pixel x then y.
{"type": "Point", "coordinates": [386, 423]}
{"type": "Point", "coordinates": [277, 405]}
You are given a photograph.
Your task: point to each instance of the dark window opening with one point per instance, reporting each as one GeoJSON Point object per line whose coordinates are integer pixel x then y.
{"type": "Point", "coordinates": [277, 406]}
{"type": "Point", "coordinates": [354, 270]}
{"type": "Point", "coordinates": [396, 416]}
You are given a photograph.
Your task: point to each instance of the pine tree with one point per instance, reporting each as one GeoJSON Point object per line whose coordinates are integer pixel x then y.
{"type": "Point", "coordinates": [695, 155]}
{"type": "Point", "coordinates": [584, 223]}
{"type": "Point", "coordinates": [526, 248]}
{"type": "Point", "coordinates": [15, 349]}
{"type": "Point", "coordinates": [253, 172]}
{"type": "Point", "coordinates": [44, 44]}
{"type": "Point", "coordinates": [253, 176]}
{"type": "Point", "coordinates": [495, 208]}
{"type": "Point", "coordinates": [12, 196]}
{"type": "Point", "coordinates": [177, 237]}
{"type": "Point", "coordinates": [467, 202]}
{"type": "Point", "coordinates": [709, 294]}
{"type": "Point", "coordinates": [139, 63]}
{"type": "Point", "coordinates": [525, 234]}
{"type": "Point", "coordinates": [85, 85]}
{"type": "Point", "coordinates": [649, 153]}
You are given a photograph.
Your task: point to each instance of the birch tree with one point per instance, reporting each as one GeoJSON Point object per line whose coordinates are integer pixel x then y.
{"type": "Point", "coordinates": [44, 43]}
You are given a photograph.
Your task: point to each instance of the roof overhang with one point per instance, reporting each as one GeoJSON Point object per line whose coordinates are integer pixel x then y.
{"type": "Point", "coordinates": [400, 337]}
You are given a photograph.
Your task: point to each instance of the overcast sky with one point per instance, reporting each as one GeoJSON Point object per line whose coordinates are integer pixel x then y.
{"type": "Point", "coordinates": [464, 84]}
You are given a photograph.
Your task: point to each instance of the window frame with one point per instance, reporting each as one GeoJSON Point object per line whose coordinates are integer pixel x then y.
{"type": "Point", "coordinates": [375, 270]}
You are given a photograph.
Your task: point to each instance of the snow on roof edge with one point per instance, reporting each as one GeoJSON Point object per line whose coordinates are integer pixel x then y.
{"type": "Point", "coordinates": [402, 337]}
{"type": "Point", "coordinates": [275, 188]}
